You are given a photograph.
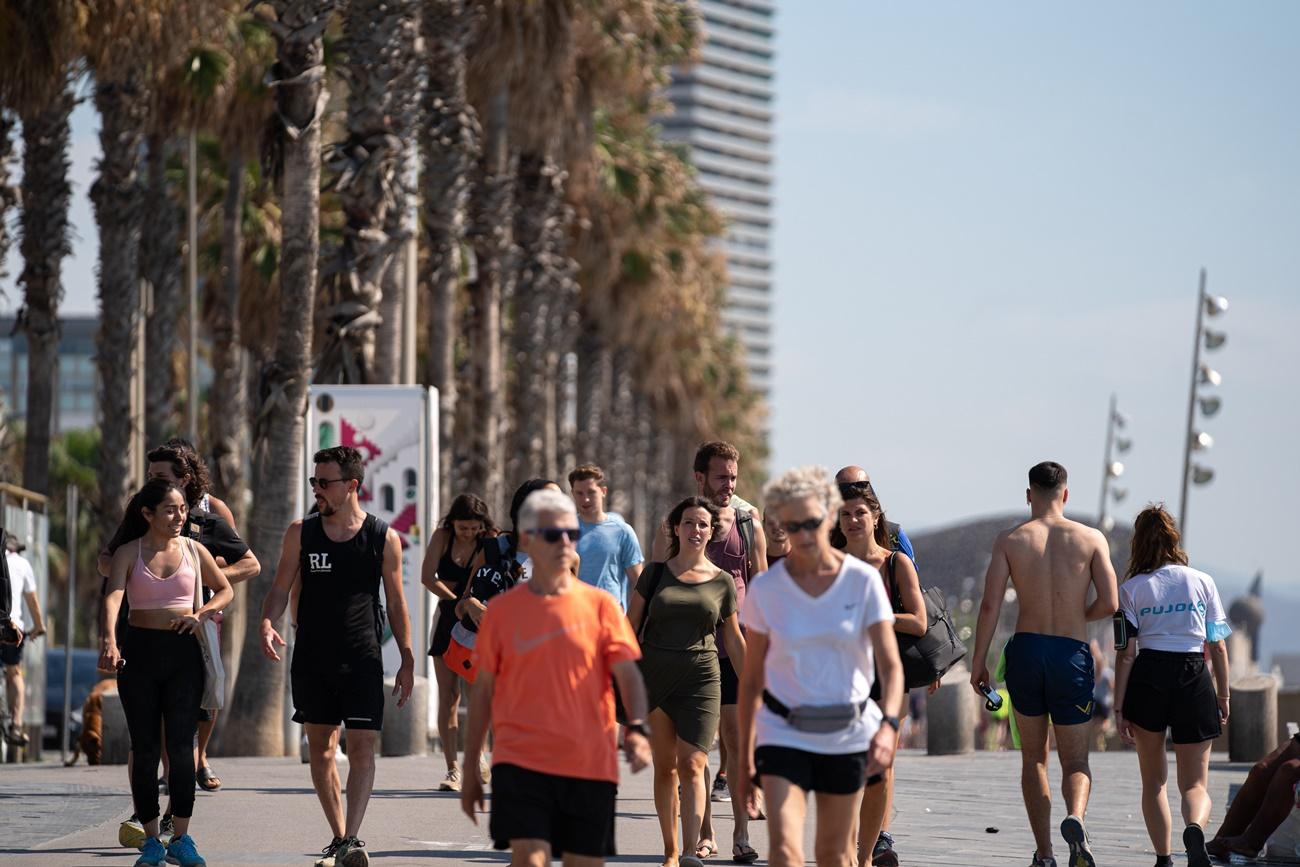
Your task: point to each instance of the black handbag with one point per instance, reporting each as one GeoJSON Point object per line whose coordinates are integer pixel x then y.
{"type": "Point", "coordinates": [926, 658]}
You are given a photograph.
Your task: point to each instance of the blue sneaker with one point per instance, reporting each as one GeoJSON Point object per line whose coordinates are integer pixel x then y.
{"type": "Point", "coordinates": [181, 851]}
{"type": "Point", "coordinates": [152, 854]}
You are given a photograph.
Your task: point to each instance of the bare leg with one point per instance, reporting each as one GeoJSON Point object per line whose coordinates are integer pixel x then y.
{"type": "Point", "coordinates": [1276, 807]}
{"type": "Point", "coordinates": [322, 748]}
{"type": "Point", "coordinates": [530, 853]}
{"type": "Point", "coordinates": [1155, 772]}
{"type": "Point", "coordinates": [729, 730]}
{"type": "Point", "coordinates": [833, 838]}
{"type": "Point", "coordinates": [1076, 777]}
{"type": "Point", "coordinates": [787, 808]}
{"type": "Point", "coordinates": [14, 692]}
{"type": "Point", "coordinates": [871, 818]}
{"type": "Point", "coordinates": [361, 776]}
{"type": "Point", "coordinates": [449, 689]}
{"type": "Point", "coordinates": [1193, 762]}
{"type": "Point", "coordinates": [1247, 804]}
{"type": "Point", "coordinates": [582, 861]}
{"type": "Point", "coordinates": [692, 770]}
{"type": "Point", "coordinates": [663, 747]}
{"type": "Point", "coordinates": [1033, 779]}
{"type": "Point", "coordinates": [206, 727]}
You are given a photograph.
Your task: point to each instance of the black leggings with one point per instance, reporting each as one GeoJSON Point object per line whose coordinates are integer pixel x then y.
{"type": "Point", "coordinates": [161, 686]}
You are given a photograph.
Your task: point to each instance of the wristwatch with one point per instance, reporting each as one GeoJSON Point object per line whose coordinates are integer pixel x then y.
{"type": "Point", "coordinates": [891, 721]}
{"type": "Point", "coordinates": [640, 728]}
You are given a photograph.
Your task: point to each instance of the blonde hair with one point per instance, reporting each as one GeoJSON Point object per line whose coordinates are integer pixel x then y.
{"type": "Point", "coordinates": [801, 483]}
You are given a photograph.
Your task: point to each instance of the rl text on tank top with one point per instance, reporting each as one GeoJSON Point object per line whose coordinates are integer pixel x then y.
{"type": "Point", "coordinates": [729, 555]}
{"type": "Point", "coordinates": [145, 590]}
{"type": "Point", "coordinates": [338, 609]}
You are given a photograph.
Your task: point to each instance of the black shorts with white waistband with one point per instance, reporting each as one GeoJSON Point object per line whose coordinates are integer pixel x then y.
{"type": "Point", "coordinates": [1173, 691]}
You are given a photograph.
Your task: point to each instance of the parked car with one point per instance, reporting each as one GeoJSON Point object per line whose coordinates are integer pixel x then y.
{"type": "Point", "coordinates": [84, 678]}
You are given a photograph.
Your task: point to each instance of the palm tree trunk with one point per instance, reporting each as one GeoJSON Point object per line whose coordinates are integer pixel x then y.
{"type": "Point", "coordinates": [595, 385]}
{"type": "Point", "coordinates": [160, 263]}
{"type": "Point", "coordinates": [253, 725]}
{"type": "Point", "coordinates": [492, 208]}
{"type": "Point", "coordinates": [44, 244]}
{"type": "Point", "coordinates": [449, 142]}
{"type": "Point", "coordinates": [8, 192]}
{"type": "Point", "coordinates": [118, 196]}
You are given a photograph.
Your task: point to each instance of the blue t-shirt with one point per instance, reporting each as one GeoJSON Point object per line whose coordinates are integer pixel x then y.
{"type": "Point", "coordinates": [607, 551]}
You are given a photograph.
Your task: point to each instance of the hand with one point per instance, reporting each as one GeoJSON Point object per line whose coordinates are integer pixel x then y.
{"type": "Point", "coordinates": [637, 749]}
{"type": "Point", "coordinates": [37, 632]}
{"type": "Point", "coordinates": [17, 631]}
{"type": "Point", "coordinates": [880, 757]}
{"type": "Point", "coordinates": [404, 682]}
{"type": "Point", "coordinates": [271, 638]}
{"type": "Point", "coordinates": [934, 687]}
{"type": "Point", "coordinates": [978, 676]}
{"type": "Point", "coordinates": [471, 790]}
{"type": "Point", "coordinates": [186, 624]}
{"type": "Point", "coordinates": [475, 610]}
{"type": "Point", "coordinates": [110, 659]}
{"type": "Point", "coordinates": [744, 790]}
{"type": "Point", "coordinates": [1125, 729]}
{"type": "Point", "coordinates": [1223, 709]}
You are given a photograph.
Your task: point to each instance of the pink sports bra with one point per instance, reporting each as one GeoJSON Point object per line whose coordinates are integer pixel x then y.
{"type": "Point", "coordinates": [145, 590]}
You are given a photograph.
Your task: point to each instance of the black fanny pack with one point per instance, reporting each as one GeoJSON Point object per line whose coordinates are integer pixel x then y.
{"type": "Point", "coordinates": [816, 718]}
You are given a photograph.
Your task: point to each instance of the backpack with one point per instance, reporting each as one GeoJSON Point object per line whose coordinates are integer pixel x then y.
{"type": "Point", "coordinates": [497, 574]}
{"type": "Point", "coordinates": [926, 658]}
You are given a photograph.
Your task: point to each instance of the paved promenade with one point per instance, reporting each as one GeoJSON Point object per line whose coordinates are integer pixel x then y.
{"type": "Point", "coordinates": [267, 814]}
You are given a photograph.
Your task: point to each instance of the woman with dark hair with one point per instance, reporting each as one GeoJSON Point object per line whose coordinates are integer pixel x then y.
{"type": "Point", "coordinates": [1175, 613]}
{"type": "Point", "coordinates": [454, 553]}
{"type": "Point", "coordinates": [863, 532]}
{"type": "Point", "coordinates": [160, 666]}
{"type": "Point", "coordinates": [677, 608]}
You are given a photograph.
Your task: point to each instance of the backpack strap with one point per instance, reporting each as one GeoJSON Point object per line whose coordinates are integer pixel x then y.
{"type": "Point", "coordinates": [745, 524]}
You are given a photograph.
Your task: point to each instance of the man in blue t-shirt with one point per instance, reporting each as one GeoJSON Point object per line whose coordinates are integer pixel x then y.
{"type": "Point", "coordinates": [609, 553]}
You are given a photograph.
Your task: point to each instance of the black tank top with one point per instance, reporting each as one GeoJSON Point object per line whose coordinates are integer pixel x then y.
{"type": "Point", "coordinates": [339, 614]}
{"type": "Point", "coordinates": [452, 573]}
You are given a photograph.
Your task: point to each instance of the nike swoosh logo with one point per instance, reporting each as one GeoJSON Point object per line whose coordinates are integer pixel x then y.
{"type": "Point", "coordinates": [524, 645]}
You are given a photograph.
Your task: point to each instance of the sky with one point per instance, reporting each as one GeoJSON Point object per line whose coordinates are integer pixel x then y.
{"type": "Point", "coordinates": [992, 216]}
{"type": "Point", "coordinates": [989, 218]}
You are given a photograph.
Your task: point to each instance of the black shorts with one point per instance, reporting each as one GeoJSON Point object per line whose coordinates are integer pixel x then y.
{"type": "Point", "coordinates": [841, 774]}
{"type": "Point", "coordinates": [730, 683]}
{"type": "Point", "coordinates": [351, 696]}
{"type": "Point", "coordinates": [575, 816]}
{"type": "Point", "coordinates": [12, 654]}
{"type": "Point", "coordinates": [1174, 691]}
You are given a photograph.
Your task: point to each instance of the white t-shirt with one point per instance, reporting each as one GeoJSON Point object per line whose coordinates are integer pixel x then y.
{"type": "Point", "coordinates": [23, 580]}
{"type": "Point", "coordinates": [1175, 608]}
{"type": "Point", "coordinates": [819, 652]}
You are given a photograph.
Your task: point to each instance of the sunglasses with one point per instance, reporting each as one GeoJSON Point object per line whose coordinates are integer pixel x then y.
{"type": "Point", "coordinates": [792, 527]}
{"type": "Point", "coordinates": [324, 483]}
{"type": "Point", "coordinates": [551, 535]}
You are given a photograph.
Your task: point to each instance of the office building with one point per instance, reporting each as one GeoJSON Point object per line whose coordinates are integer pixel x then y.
{"type": "Point", "coordinates": [78, 381]}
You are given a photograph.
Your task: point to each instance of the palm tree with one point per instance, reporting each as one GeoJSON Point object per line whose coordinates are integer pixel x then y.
{"type": "Point", "coordinates": [8, 192]}
{"type": "Point", "coordinates": [253, 723]}
{"type": "Point", "coordinates": [36, 75]}
{"type": "Point", "coordinates": [449, 141]}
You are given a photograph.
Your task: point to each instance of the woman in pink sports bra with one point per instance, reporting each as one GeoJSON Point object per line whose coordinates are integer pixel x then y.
{"type": "Point", "coordinates": [159, 665]}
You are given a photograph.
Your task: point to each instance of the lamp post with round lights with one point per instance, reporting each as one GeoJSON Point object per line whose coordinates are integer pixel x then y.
{"type": "Point", "coordinates": [1203, 376]}
{"type": "Point", "coordinates": [1112, 468]}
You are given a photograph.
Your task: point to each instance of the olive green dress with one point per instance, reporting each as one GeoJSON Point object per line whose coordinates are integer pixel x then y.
{"type": "Point", "coordinates": [679, 657]}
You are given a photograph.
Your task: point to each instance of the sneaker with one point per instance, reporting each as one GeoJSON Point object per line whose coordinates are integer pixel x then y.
{"type": "Point", "coordinates": [181, 850]}
{"type": "Point", "coordinates": [721, 793]}
{"type": "Point", "coordinates": [327, 854]}
{"type": "Point", "coordinates": [131, 833]}
{"type": "Point", "coordinates": [883, 854]}
{"type": "Point", "coordinates": [166, 830]}
{"type": "Point", "coordinates": [152, 854]}
{"type": "Point", "coordinates": [484, 770]}
{"type": "Point", "coordinates": [451, 782]}
{"type": "Point", "coordinates": [1042, 861]}
{"type": "Point", "coordinates": [1194, 843]}
{"type": "Point", "coordinates": [1077, 837]}
{"type": "Point", "coordinates": [352, 853]}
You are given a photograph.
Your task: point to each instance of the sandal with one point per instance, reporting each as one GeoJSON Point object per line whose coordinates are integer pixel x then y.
{"type": "Point", "coordinates": [706, 849]}
{"type": "Point", "coordinates": [16, 736]}
{"type": "Point", "coordinates": [743, 853]}
{"type": "Point", "coordinates": [208, 781]}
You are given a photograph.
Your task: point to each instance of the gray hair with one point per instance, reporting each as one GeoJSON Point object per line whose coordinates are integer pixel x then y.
{"type": "Point", "coordinates": [545, 500]}
{"type": "Point", "coordinates": [801, 483]}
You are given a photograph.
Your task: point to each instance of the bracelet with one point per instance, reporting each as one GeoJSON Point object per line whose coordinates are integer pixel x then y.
{"type": "Point", "coordinates": [1223, 697]}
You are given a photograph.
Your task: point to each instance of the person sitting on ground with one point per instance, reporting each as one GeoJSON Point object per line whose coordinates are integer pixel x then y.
{"type": "Point", "coordinates": [1265, 800]}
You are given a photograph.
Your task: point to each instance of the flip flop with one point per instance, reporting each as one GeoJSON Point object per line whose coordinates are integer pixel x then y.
{"type": "Point", "coordinates": [208, 781]}
{"type": "Point", "coordinates": [705, 849]}
{"type": "Point", "coordinates": [743, 853]}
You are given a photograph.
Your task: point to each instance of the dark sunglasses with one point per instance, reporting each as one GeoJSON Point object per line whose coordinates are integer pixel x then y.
{"type": "Point", "coordinates": [324, 483]}
{"type": "Point", "coordinates": [792, 527]}
{"type": "Point", "coordinates": [551, 535]}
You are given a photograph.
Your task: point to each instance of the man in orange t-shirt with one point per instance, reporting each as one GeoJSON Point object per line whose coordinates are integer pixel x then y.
{"type": "Point", "coordinates": [546, 650]}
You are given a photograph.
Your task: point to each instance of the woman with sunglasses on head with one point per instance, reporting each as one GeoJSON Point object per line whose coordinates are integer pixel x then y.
{"type": "Point", "coordinates": [160, 665]}
{"type": "Point", "coordinates": [454, 554]}
{"type": "Point", "coordinates": [862, 531]}
{"type": "Point", "coordinates": [1175, 614]}
{"type": "Point", "coordinates": [677, 608]}
{"type": "Point", "coordinates": [819, 626]}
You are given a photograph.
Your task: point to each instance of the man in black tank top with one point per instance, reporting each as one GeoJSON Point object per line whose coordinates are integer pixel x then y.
{"type": "Point", "coordinates": [340, 555]}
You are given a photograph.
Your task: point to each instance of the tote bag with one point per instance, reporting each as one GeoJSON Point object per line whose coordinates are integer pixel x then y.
{"type": "Point", "coordinates": [209, 639]}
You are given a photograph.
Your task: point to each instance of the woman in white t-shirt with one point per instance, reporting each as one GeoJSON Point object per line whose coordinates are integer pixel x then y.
{"type": "Point", "coordinates": [1175, 613]}
{"type": "Point", "coordinates": [817, 621]}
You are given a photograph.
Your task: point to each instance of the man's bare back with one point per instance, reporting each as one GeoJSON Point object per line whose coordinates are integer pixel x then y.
{"type": "Point", "coordinates": [1052, 562]}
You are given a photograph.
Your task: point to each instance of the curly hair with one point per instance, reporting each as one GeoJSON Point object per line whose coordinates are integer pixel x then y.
{"type": "Point", "coordinates": [800, 483]}
{"type": "Point", "coordinates": [185, 463]}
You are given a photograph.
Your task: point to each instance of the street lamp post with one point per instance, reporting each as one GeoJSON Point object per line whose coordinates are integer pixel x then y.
{"type": "Point", "coordinates": [1111, 468]}
{"type": "Point", "coordinates": [1202, 375]}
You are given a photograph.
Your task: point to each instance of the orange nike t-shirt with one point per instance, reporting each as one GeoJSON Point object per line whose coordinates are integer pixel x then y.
{"type": "Point", "coordinates": [553, 699]}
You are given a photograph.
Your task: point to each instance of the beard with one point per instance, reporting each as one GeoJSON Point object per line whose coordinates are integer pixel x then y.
{"type": "Point", "coordinates": [324, 508]}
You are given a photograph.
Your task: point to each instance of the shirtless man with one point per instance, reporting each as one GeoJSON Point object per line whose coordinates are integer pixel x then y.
{"type": "Point", "coordinates": [1051, 562]}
